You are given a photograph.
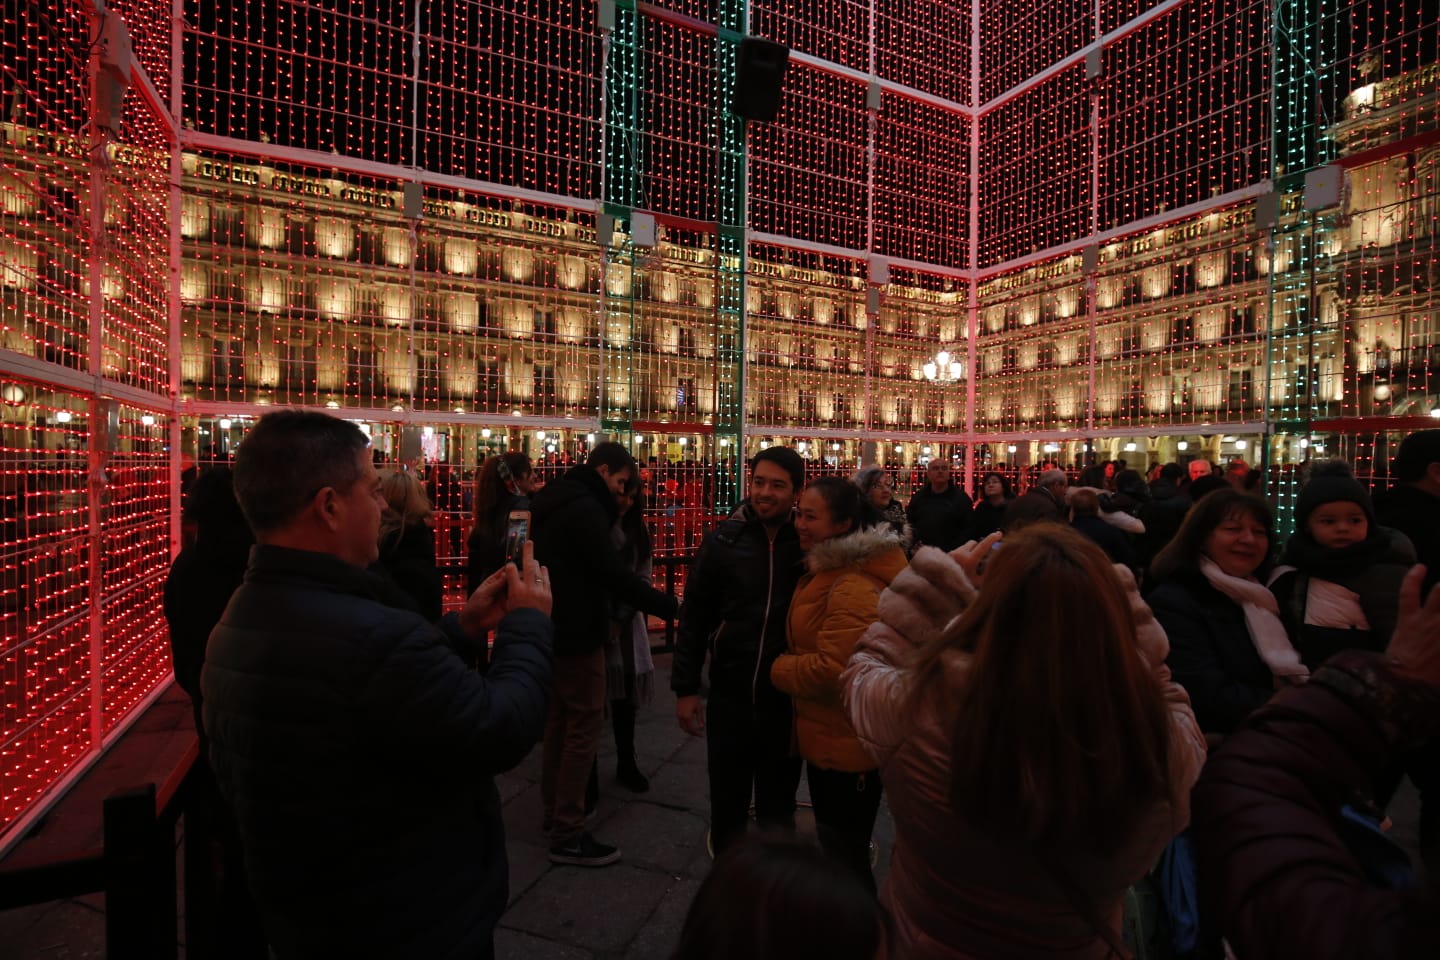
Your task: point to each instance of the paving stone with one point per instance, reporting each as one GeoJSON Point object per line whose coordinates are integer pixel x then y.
{"type": "Point", "coordinates": [656, 836]}
{"type": "Point", "coordinates": [598, 909]}
{"type": "Point", "coordinates": [514, 945]}
{"type": "Point", "coordinates": [528, 863]}
{"type": "Point", "coordinates": [65, 930]}
{"type": "Point", "coordinates": [682, 783]}
{"type": "Point", "coordinates": [658, 938]}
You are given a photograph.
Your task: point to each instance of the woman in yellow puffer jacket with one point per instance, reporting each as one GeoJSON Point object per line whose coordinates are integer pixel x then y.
{"type": "Point", "coordinates": [850, 560]}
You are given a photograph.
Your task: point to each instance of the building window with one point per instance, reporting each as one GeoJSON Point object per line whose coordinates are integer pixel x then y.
{"type": "Point", "coordinates": [685, 401]}
{"type": "Point", "coordinates": [686, 340]}
{"type": "Point", "coordinates": [543, 384]}
{"type": "Point", "coordinates": [1242, 321]}
{"type": "Point", "coordinates": [807, 405]}
{"type": "Point", "coordinates": [1241, 392]}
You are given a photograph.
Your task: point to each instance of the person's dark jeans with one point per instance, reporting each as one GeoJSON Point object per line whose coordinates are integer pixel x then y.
{"type": "Point", "coordinates": [846, 805]}
{"type": "Point", "coordinates": [748, 747]}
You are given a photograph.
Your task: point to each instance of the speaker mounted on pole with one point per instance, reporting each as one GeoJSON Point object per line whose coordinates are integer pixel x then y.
{"type": "Point", "coordinates": [759, 68]}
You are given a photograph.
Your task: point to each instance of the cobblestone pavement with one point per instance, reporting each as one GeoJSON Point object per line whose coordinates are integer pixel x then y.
{"type": "Point", "coordinates": [632, 910]}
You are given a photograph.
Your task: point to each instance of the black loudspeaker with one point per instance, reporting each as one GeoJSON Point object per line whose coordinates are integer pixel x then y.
{"type": "Point", "coordinates": [759, 67]}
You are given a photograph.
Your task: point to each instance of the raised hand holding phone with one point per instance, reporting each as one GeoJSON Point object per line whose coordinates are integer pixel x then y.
{"type": "Point", "coordinates": [527, 586]}
{"type": "Point", "coordinates": [517, 534]}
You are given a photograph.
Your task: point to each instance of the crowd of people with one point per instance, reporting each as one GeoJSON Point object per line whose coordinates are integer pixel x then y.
{"type": "Point", "coordinates": [1123, 680]}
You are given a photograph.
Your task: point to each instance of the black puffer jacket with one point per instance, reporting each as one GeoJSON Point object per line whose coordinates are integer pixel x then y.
{"type": "Point", "coordinates": [1211, 653]}
{"type": "Point", "coordinates": [739, 567]}
{"type": "Point", "coordinates": [573, 517]}
{"type": "Point", "coordinates": [358, 752]}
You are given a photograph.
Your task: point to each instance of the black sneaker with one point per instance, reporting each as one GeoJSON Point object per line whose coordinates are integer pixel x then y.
{"type": "Point", "coordinates": [584, 852]}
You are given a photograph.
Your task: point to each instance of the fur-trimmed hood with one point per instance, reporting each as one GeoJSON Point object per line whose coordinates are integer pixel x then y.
{"type": "Point", "coordinates": [853, 550]}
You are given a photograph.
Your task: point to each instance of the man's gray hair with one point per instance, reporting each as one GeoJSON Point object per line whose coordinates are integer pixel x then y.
{"type": "Point", "coordinates": [1051, 476]}
{"type": "Point", "coordinates": [290, 456]}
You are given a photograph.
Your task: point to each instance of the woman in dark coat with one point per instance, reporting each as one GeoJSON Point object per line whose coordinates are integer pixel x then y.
{"type": "Point", "coordinates": [1228, 647]}
{"type": "Point", "coordinates": [407, 542]}
{"type": "Point", "coordinates": [995, 495]}
{"type": "Point", "coordinates": [503, 484]}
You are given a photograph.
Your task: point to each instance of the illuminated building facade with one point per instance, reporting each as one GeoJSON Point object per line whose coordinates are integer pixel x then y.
{"type": "Point", "coordinates": [1006, 233]}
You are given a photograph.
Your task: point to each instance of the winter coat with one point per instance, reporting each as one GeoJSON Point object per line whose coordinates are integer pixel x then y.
{"type": "Point", "coordinates": [358, 753]}
{"type": "Point", "coordinates": [1108, 537]}
{"type": "Point", "coordinates": [834, 604]}
{"type": "Point", "coordinates": [407, 556]}
{"type": "Point", "coordinates": [1367, 575]}
{"type": "Point", "coordinates": [1273, 871]}
{"type": "Point", "coordinates": [955, 890]}
{"type": "Point", "coordinates": [1033, 505]}
{"type": "Point", "coordinates": [485, 547]}
{"type": "Point", "coordinates": [941, 519]}
{"type": "Point", "coordinates": [1416, 514]}
{"type": "Point", "coordinates": [1116, 509]}
{"type": "Point", "coordinates": [200, 583]}
{"type": "Point", "coordinates": [988, 518]}
{"type": "Point", "coordinates": [894, 515]}
{"type": "Point", "coordinates": [1162, 515]}
{"type": "Point", "coordinates": [571, 523]}
{"type": "Point", "coordinates": [737, 595]}
{"type": "Point", "coordinates": [1211, 653]}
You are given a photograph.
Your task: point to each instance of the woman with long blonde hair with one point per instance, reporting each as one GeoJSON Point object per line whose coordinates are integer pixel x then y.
{"type": "Point", "coordinates": [1036, 754]}
{"type": "Point", "coordinates": [407, 541]}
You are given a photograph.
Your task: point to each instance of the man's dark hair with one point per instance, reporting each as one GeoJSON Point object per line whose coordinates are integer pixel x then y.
{"type": "Point", "coordinates": [784, 458]}
{"type": "Point", "coordinates": [290, 456]}
{"type": "Point", "coordinates": [611, 455]}
{"type": "Point", "coordinates": [1172, 471]}
{"type": "Point", "coordinates": [1415, 455]}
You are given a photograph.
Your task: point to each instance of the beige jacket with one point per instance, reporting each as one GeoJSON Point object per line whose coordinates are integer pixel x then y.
{"type": "Point", "coordinates": [954, 890]}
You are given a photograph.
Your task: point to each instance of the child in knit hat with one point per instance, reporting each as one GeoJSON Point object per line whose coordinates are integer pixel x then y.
{"type": "Point", "coordinates": [1338, 583]}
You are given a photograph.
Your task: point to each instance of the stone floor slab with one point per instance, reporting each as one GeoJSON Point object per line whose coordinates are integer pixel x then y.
{"type": "Point", "coordinates": [598, 909]}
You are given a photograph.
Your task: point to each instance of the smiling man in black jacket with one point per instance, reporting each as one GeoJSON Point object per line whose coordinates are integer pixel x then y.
{"type": "Point", "coordinates": [353, 743]}
{"type": "Point", "coordinates": [573, 517]}
{"type": "Point", "coordinates": [737, 597]}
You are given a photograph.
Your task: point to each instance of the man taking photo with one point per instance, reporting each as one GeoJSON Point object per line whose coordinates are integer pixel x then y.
{"type": "Point", "coordinates": [355, 746]}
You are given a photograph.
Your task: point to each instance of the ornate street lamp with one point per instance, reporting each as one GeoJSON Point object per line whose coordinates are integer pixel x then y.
{"type": "Point", "coordinates": [942, 368]}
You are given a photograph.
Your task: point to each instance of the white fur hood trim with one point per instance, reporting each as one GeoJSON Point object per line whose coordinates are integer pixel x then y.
{"type": "Point", "coordinates": [852, 550]}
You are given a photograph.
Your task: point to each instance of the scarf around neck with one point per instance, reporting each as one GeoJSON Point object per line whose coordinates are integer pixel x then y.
{"type": "Point", "coordinates": [1339, 563]}
{"type": "Point", "coordinates": [1262, 621]}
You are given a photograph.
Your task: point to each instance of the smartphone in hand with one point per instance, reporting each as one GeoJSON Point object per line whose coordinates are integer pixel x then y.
{"type": "Point", "coordinates": [517, 531]}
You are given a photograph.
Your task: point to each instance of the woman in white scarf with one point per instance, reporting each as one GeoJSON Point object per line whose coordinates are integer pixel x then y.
{"type": "Point", "coordinates": [1228, 647]}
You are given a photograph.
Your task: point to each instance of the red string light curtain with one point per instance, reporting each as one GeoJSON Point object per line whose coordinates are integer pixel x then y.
{"type": "Point", "coordinates": [922, 196]}
{"type": "Point", "coordinates": [1035, 169]}
{"type": "Point", "coordinates": [85, 488]}
{"type": "Point", "coordinates": [925, 44]}
{"type": "Point", "coordinates": [1184, 110]}
{"type": "Point", "coordinates": [807, 169]}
